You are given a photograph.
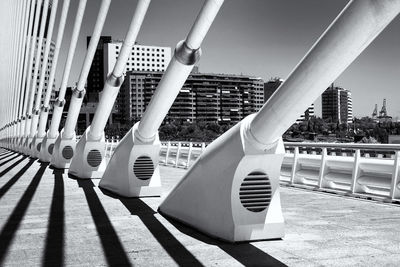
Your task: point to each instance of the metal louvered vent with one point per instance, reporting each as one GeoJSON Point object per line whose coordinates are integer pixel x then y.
{"type": "Point", "coordinates": [39, 146]}
{"type": "Point", "coordinates": [143, 168]}
{"type": "Point", "coordinates": [50, 149]}
{"type": "Point", "coordinates": [94, 158]}
{"type": "Point", "coordinates": [67, 152]}
{"type": "Point", "coordinates": [255, 192]}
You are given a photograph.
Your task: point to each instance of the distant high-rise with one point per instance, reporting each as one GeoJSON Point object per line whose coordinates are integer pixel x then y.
{"type": "Point", "coordinates": [337, 105]}
{"type": "Point", "coordinates": [47, 73]}
{"type": "Point", "coordinates": [272, 85]}
{"type": "Point", "coordinates": [95, 81]}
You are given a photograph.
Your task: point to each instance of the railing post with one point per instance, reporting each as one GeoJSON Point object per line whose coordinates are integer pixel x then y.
{"type": "Point", "coordinates": [167, 152]}
{"type": "Point", "coordinates": [354, 187]}
{"type": "Point", "coordinates": [189, 155]}
{"type": "Point", "coordinates": [394, 191]}
{"type": "Point", "coordinates": [203, 146]}
{"type": "Point", "coordinates": [324, 155]}
{"type": "Point", "coordinates": [178, 151]}
{"type": "Point", "coordinates": [294, 167]}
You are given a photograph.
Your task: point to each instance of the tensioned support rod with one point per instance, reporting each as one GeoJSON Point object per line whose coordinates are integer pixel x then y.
{"type": "Point", "coordinates": [115, 79]}
{"type": "Point", "coordinates": [59, 104]}
{"type": "Point", "coordinates": [45, 109]}
{"type": "Point", "coordinates": [23, 45]}
{"type": "Point", "coordinates": [35, 117]}
{"type": "Point", "coordinates": [24, 87]}
{"type": "Point", "coordinates": [13, 67]}
{"type": "Point", "coordinates": [187, 53]}
{"type": "Point", "coordinates": [344, 40]}
{"type": "Point", "coordinates": [32, 120]}
{"type": "Point", "coordinates": [79, 92]}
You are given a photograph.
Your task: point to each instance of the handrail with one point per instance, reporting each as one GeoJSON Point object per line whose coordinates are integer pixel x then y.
{"type": "Point", "coordinates": [385, 147]}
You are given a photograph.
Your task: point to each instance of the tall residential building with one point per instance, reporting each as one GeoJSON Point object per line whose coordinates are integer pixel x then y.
{"type": "Point", "coordinates": [337, 105]}
{"type": "Point", "coordinates": [143, 58]}
{"type": "Point", "coordinates": [48, 69]}
{"type": "Point", "coordinates": [272, 85]}
{"type": "Point", "coordinates": [222, 98]}
{"type": "Point", "coordinates": [95, 81]}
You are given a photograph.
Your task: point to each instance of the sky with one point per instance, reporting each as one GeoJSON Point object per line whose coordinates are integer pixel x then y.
{"type": "Point", "coordinates": [263, 38]}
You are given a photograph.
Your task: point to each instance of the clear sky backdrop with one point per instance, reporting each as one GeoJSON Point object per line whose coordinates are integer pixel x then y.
{"type": "Point", "coordinates": [264, 38]}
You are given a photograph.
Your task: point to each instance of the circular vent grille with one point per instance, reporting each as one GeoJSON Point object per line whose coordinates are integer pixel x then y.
{"type": "Point", "coordinates": [143, 168]}
{"type": "Point", "coordinates": [94, 158]}
{"type": "Point", "coordinates": [255, 192]}
{"type": "Point", "coordinates": [50, 149]}
{"type": "Point", "coordinates": [67, 152]}
{"type": "Point", "coordinates": [39, 146]}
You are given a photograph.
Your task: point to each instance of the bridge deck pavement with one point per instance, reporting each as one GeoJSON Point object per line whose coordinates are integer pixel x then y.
{"type": "Point", "coordinates": [49, 219]}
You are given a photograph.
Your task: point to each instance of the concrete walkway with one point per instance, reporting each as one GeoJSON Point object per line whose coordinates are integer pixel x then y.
{"type": "Point", "coordinates": [47, 218]}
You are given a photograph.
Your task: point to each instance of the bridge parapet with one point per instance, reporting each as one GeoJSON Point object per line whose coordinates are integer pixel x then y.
{"type": "Point", "coordinates": [366, 169]}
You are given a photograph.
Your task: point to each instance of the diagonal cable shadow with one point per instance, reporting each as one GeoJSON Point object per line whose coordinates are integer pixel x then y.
{"type": "Point", "coordinates": [54, 247]}
{"type": "Point", "coordinates": [9, 230]}
{"type": "Point", "coordinates": [112, 246]}
{"type": "Point", "coordinates": [6, 155]}
{"type": "Point", "coordinates": [15, 178]}
{"type": "Point", "coordinates": [172, 246]}
{"type": "Point", "coordinates": [243, 252]}
{"type": "Point", "coordinates": [10, 159]}
{"type": "Point", "coordinates": [12, 166]}
{"type": "Point", "coordinates": [4, 152]}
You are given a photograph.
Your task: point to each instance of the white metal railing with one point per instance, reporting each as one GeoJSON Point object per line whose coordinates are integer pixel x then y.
{"type": "Point", "coordinates": [354, 168]}
{"type": "Point", "coordinates": [371, 169]}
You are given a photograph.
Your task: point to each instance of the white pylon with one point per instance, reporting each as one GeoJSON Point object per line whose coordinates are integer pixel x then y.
{"type": "Point", "coordinates": [37, 141]}
{"type": "Point", "coordinates": [88, 160]}
{"type": "Point", "coordinates": [136, 156]}
{"type": "Point", "coordinates": [47, 145]}
{"type": "Point", "coordinates": [23, 87]}
{"type": "Point", "coordinates": [30, 84]}
{"type": "Point", "coordinates": [232, 192]}
{"type": "Point", "coordinates": [60, 102]}
{"type": "Point", "coordinates": [67, 139]}
{"type": "Point", "coordinates": [19, 80]}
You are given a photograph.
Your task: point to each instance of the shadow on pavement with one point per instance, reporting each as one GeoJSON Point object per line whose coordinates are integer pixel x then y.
{"type": "Point", "coordinates": [15, 178]}
{"type": "Point", "coordinates": [8, 231]}
{"type": "Point", "coordinates": [54, 247]}
{"type": "Point", "coordinates": [6, 155]}
{"type": "Point", "coordinates": [12, 166]}
{"type": "Point", "coordinates": [245, 253]}
{"type": "Point", "coordinates": [10, 159]}
{"type": "Point", "coordinates": [172, 246]}
{"type": "Point", "coordinates": [112, 246]}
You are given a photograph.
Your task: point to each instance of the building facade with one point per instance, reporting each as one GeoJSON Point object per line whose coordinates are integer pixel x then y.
{"type": "Point", "coordinates": [47, 73]}
{"type": "Point", "coordinates": [95, 81]}
{"type": "Point", "coordinates": [221, 98]}
{"type": "Point", "coordinates": [337, 105]}
{"type": "Point", "coordinates": [143, 58]}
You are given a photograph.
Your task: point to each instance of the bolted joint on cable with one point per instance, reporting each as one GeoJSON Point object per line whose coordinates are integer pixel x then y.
{"type": "Point", "coordinates": [115, 81]}
{"type": "Point", "coordinates": [78, 93]}
{"type": "Point", "coordinates": [186, 55]}
{"type": "Point", "coordinates": [59, 103]}
{"type": "Point", "coordinates": [44, 109]}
